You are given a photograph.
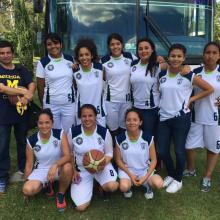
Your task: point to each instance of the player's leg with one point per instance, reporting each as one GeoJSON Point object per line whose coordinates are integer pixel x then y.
{"type": "Point", "coordinates": [155, 181]}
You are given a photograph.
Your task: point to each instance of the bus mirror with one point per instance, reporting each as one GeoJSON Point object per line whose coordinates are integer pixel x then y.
{"type": "Point", "coordinates": [38, 6]}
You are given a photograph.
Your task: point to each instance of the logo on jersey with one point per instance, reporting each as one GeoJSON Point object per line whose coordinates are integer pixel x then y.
{"type": "Point", "coordinates": [69, 65]}
{"type": "Point", "coordinates": [78, 76]}
{"type": "Point", "coordinates": [55, 143]}
{"type": "Point", "coordinates": [50, 67]}
{"type": "Point", "coordinates": [79, 140]}
{"type": "Point", "coordinates": [179, 81]}
{"type": "Point", "coordinates": [37, 148]}
{"type": "Point", "coordinates": [133, 68]}
{"type": "Point", "coordinates": [143, 146]}
{"type": "Point", "coordinates": [218, 78]}
{"type": "Point", "coordinates": [110, 64]}
{"type": "Point", "coordinates": [96, 74]}
{"type": "Point", "coordinates": [125, 146]}
{"type": "Point", "coordinates": [99, 141]}
{"type": "Point", "coordinates": [126, 61]}
{"type": "Point", "coordinates": [163, 80]}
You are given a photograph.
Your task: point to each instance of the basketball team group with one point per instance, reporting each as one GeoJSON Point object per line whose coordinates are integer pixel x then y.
{"type": "Point", "coordinates": [113, 119]}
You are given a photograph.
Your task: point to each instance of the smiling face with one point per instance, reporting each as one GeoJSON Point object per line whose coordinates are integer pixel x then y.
{"type": "Point", "coordinates": [211, 55]}
{"type": "Point", "coordinates": [54, 48]}
{"type": "Point", "coordinates": [133, 122]}
{"type": "Point", "coordinates": [44, 124]}
{"type": "Point", "coordinates": [176, 58]}
{"type": "Point", "coordinates": [115, 47]}
{"type": "Point", "coordinates": [144, 51]}
{"type": "Point", "coordinates": [85, 57]}
{"type": "Point", "coordinates": [6, 55]}
{"type": "Point", "coordinates": [88, 118]}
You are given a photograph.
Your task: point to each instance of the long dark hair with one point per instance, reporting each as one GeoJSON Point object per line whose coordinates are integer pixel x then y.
{"type": "Point", "coordinates": [152, 63]}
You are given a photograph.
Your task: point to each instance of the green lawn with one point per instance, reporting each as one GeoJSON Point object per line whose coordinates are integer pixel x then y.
{"type": "Point", "coordinates": [189, 203]}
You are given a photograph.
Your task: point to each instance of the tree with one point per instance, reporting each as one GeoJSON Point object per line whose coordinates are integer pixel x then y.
{"type": "Point", "coordinates": [217, 23]}
{"type": "Point", "coordinates": [24, 34]}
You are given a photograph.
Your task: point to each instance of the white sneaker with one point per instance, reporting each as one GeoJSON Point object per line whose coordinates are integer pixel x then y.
{"type": "Point", "coordinates": [174, 187]}
{"type": "Point", "coordinates": [167, 181]}
{"type": "Point", "coordinates": [17, 177]}
{"type": "Point", "coordinates": [128, 194]}
{"type": "Point", "coordinates": [149, 193]}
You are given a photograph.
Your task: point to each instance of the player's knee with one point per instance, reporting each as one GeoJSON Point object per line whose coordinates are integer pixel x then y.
{"type": "Point", "coordinates": [28, 190]}
{"type": "Point", "coordinates": [159, 184]}
{"type": "Point", "coordinates": [111, 186]}
{"type": "Point", "coordinates": [67, 169]}
{"type": "Point", "coordinates": [124, 187]}
{"type": "Point", "coordinates": [82, 208]}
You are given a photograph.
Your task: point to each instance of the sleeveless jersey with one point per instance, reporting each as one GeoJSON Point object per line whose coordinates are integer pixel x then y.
{"type": "Point", "coordinates": [206, 112]}
{"type": "Point", "coordinates": [135, 154]}
{"type": "Point", "coordinates": [46, 154]}
{"type": "Point", "coordinates": [58, 77]}
{"type": "Point", "coordinates": [145, 88]}
{"type": "Point", "coordinates": [175, 92]}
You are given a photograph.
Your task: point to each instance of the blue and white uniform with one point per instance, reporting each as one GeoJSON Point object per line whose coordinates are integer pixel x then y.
{"type": "Point", "coordinates": [90, 90]}
{"type": "Point", "coordinates": [145, 94]}
{"type": "Point", "coordinates": [46, 154]}
{"type": "Point", "coordinates": [175, 91]}
{"type": "Point", "coordinates": [205, 127]}
{"type": "Point", "coordinates": [59, 94]}
{"type": "Point", "coordinates": [117, 91]}
{"type": "Point", "coordinates": [135, 155]}
{"type": "Point", "coordinates": [82, 143]}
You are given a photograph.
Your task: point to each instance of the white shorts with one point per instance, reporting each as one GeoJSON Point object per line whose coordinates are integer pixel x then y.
{"type": "Point", "coordinates": [116, 114]}
{"type": "Point", "coordinates": [82, 193]}
{"type": "Point", "coordinates": [41, 175]}
{"type": "Point", "coordinates": [64, 116]}
{"type": "Point", "coordinates": [207, 136]}
{"type": "Point", "coordinates": [139, 173]}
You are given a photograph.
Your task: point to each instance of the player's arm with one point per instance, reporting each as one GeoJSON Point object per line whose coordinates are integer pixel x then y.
{"type": "Point", "coordinates": [204, 86]}
{"type": "Point", "coordinates": [108, 148]}
{"type": "Point", "coordinates": [29, 161]}
{"type": "Point", "coordinates": [66, 157]}
{"type": "Point", "coordinates": [40, 89]}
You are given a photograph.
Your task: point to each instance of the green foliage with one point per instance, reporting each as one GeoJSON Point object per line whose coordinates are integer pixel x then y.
{"type": "Point", "coordinates": [24, 34]}
{"type": "Point", "coordinates": [217, 23]}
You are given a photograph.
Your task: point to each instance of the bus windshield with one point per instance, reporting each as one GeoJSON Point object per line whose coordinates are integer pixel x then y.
{"type": "Point", "coordinates": [188, 22]}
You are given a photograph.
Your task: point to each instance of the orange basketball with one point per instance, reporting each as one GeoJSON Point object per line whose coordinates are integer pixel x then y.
{"type": "Point", "coordinates": [94, 161]}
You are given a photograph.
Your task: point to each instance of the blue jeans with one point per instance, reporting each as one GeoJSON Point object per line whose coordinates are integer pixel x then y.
{"type": "Point", "coordinates": [20, 132]}
{"type": "Point", "coordinates": [175, 129]}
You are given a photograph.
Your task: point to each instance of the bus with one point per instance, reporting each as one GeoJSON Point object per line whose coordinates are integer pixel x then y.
{"type": "Point", "coordinates": [189, 22]}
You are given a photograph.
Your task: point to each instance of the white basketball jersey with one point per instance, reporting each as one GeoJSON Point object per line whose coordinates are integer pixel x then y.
{"type": "Point", "coordinates": [46, 154]}
{"type": "Point", "coordinates": [90, 87]}
{"type": "Point", "coordinates": [100, 140]}
{"type": "Point", "coordinates": [145, 88]}
{"type": "Point", "coordinates": [175, 92]}
{"type": "Point", "coordinates": [117, 71]}
{"type": "Point", "coordinates": [206, 112]}
{"type": "Point", "coordinates": [135, 154]}
{"type": "Point", "coordinates": [58, 77]}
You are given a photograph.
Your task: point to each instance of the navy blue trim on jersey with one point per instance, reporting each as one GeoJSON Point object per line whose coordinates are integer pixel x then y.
{"type": "Point", "coordinates": [132, 96]}
{"type": "Point", "coordinates": [76, 69]}
{"type": "Point", "coordinates": [120, 138]}
{"type": "Point", "coordinates": [75, 131]}
{"type": "Point", "coordinates": [73, 95]}
{"type": "Point", "coordinates": [218, 116]}
{"type": "Point", "coordinates": [102, 110]}
{"type": "Point", "coordinates": [162, 73]}
{"type": "Point", "coordinates": [56, 133]}
{"type": "Point", "coordinates": [44, 61]}
{"type": "Point", "coordinates": [127, 55]}
{"type": "Point", "coordinates": [48, 95]}
{"type": "Point", "coordinates": [193, 117]}
{"type": "Point", "coordinates": [97, 66]}
{"type": "Point", "coordinates": [198, 70]}
{"type": "Point", "coordinates": [152, 104]}
{"type": "Point", "coordinates": [181, 112]}
{"type": "Point", "coordinates": [147, 136]}
{"type": "Point", "coordinates": [108, 96]}
{"type": "Point", "coordinates": [33, 139]}
{"type": "Point", "coordinates": [219, 68]}
{"type": "Point", "coordinates": [101, 131]}
{"type": "Point", "coordinates": [134, 62]}
{"type": "Point", "coordinates": [78, 107]}
{"type": "Point", "coordinates": [68, 57]}
{"type": "Point", "coordinates": [105, 59]}
{"type": "Point", "coordinates": [188, 76]}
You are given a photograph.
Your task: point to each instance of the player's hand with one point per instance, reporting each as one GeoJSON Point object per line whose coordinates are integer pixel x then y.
{"type": "Point", "coordinates": [28, 95]}
{"type": "Point", "coordinates": [134, 179]}
{"type": "Point", "coordinates": [75, 66]}
{"type": "Point", "coordinates": [160, 59]}
{"type": "Point", "coordinates": [76, 177]}
{"type": "Point", "coordinates": [141, 181]}
{"type": "Point", "coordinates": [185, 70]}
{"type": "Point", "coordinates": [23, 101]}
{"type": "Point", "coordinates": [52, 172]}
{"type": "Point", "coordinates": [190, 103]}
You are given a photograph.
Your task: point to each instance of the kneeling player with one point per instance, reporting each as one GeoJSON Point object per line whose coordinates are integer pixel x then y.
{"type": "Point", "coordinates": [86, 137]}
{"type": "Point", "coordinates": [50, 149]}
{"type": "Point", "coordinates": [136, 157]}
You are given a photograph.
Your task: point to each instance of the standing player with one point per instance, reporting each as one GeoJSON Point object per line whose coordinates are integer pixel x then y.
{"type": "Point", "coordinates": [117, 76]}
{"type": "Point", "coordinates": [86, 137]}
{"type": "Point", "coordinates": [48, 151]}
{"type": "Point", "coordinates": [55, 83]}
{"type": "Point", "coordinates": [89, 79]}
{"type": "Point", "coordinates": [136, 157]}
{"type": "Point", "coordinates": [174, 112]}
{"type": "Point", "coordinates": [11, 115]}
{"type": "Point", "coordinates": [205, 129]}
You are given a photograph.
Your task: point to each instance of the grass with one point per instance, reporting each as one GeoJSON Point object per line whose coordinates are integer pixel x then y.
{"type": "Point", "coordinates": [189, 203]}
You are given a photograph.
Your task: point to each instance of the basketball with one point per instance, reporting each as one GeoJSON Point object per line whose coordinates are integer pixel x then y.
{"type": "Point", "coordinates": [94, 161]}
